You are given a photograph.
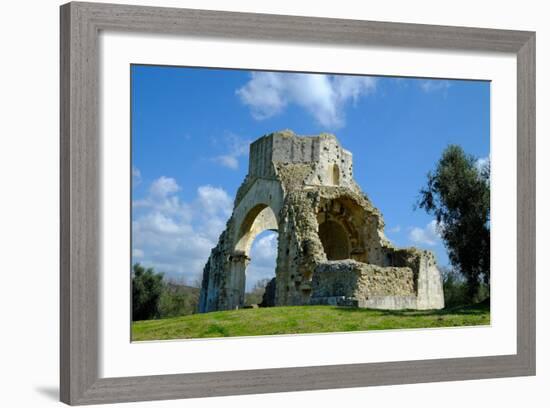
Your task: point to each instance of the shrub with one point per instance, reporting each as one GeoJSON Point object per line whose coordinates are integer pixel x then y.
{"type": "Point", "coordinates": [457, 291]}
{"type": "Point", "coordinates": [178, 300]}
{"type": "Point", "coordinates": [147, 287]}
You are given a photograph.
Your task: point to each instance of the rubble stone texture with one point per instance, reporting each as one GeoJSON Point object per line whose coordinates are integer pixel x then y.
{"type": "Point", "coordinates": [331, 243]}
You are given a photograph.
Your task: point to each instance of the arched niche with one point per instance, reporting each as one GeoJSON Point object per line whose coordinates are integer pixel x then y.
{"type": "Point", "coordinates": [335, 240]}
{"type": "Point", "coordinates": [335, 175]}
{"type": "Point", "coordinates": [344, 235]}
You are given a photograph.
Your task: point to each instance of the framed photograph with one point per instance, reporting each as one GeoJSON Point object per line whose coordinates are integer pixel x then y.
{"type": "Point", "coordinates": [262, 203]}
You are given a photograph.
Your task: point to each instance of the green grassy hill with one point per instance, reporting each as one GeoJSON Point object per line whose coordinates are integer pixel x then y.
{"type": "Point", "coordinates": [303, 319]}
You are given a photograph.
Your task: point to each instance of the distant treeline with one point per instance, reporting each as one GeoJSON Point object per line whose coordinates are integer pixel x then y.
{"type": "Point", "coordinates": [155, 297]}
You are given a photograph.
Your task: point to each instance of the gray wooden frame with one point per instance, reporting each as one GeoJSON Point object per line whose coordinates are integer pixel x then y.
{"type": "Point", "coordinates": [80, 234]}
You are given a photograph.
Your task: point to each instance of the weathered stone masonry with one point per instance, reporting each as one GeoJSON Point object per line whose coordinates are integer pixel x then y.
{"type": "Point", "coordinates": [331, 243]}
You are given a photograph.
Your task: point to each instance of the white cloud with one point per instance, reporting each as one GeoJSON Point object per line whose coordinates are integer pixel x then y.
{"type": "Point", "coordinates": [323, 96]}
{"type": "Point", "coordinates": [481, 163]}
{"type": "Point", "coordinates": [236, 148]}
{"type": "Point", "coordinates": [164, 186]}
{"type": "Point", "coordinates": [263, 93]}
{"type": "Point", "coordinates": [163, 199]}
{"type": "Point", "coordinates": [176, 237]}
{"type": "Point", "coordinates": [214, 200]}
{"type": "Point", "coordinates": [434, 85]}
{"type": "Point", "coordinates": [158, 222]}
{"type": "Point", "coordinates": [429, 235]}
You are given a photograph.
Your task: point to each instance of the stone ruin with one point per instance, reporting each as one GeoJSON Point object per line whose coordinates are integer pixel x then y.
{"type": "Point", "coordinates": [331, 243]}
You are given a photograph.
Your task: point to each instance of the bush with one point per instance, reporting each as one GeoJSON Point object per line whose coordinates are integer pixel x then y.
{"type": "Point", "coordinates": [153, 297]}
{"type": "Point", "coordinates": [178, 300]}
{"type": "Point", "coordinates": [457, 291]}
{"type": "Point", "coordinates": [147, 287]}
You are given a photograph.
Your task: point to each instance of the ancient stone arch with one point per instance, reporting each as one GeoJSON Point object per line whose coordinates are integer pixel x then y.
{"type": "Point", "coordinates": [258, 219]}
{"type": "Point", "coordinates": [331, 243]}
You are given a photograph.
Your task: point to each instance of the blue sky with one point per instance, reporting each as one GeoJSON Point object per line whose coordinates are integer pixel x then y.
{"type": "Point", "coordinates": [191, 128]}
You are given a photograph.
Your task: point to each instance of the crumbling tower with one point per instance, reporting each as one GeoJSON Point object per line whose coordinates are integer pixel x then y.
{"type": "Point", "coordinates": [331, 243]}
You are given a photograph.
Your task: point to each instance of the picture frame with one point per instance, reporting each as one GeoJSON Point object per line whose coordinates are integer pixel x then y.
{"type": "Point", "coordinates": [80, 158]}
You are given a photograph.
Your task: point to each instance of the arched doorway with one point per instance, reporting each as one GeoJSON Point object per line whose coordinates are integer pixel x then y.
{"type": "Point", "coordinates": [261, 268]}
{"type": "Point", "coordinates": [335, 240]}
{"type": "Point", "coordinates": [260, 222]}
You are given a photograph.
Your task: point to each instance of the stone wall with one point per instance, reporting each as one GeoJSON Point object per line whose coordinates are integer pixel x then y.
{"type": "Point", "coordinates": [355, 283]}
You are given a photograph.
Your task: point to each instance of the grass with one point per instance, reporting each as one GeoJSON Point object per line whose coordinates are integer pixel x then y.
{"type": "Point", "coordinates": [304, 319]}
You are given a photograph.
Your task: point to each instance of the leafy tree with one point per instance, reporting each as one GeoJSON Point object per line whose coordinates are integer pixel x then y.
{"type": "Point", "coordinates": [147, 288]}
{"type": "Point", "coordinates": [457, 194]}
